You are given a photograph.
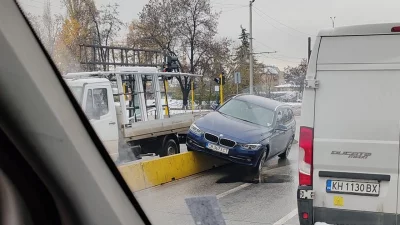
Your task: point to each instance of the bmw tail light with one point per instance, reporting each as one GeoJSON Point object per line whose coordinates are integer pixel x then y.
{"type": "Point", "coordinates": [306, 156]}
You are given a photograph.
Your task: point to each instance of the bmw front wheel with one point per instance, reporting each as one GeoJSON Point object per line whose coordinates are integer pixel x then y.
{"type": "Point", "coordinates": [285, 154]}
{"type": "Point", "coordinates": [257, 170]}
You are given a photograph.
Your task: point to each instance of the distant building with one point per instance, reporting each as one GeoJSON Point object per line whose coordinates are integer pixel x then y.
{"type": "Point", "coordinates": [271, 77]}
{"type": "Point", "coordinates": [287, 93]}
{"type": "Point", "coordinates": [281, 77]}
{"type": "Point", "coordinates": [287, 87]}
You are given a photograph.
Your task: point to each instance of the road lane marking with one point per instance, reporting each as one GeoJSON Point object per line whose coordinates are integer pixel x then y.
{"type": "Point", "coordinates": [286, 218]}
{"type": "Point", "coordinates": [223, 194]}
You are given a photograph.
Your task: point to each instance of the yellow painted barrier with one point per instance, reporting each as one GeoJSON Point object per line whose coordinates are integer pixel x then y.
{"type": "Point", "coordinates": [151, 173]}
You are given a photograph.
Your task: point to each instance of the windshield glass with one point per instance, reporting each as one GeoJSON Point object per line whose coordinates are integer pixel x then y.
{"type": "Point", "coordinates": [182, 59]}
{"type": "Point", "coordinates": [249, 112]}
{"type": "Point", "coordinates": [78, 92]}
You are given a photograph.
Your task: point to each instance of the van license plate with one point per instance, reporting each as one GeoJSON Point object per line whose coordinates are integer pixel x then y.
{"type": "Point", "coordinates": [217, 148]}
{"type": "Point", "coordinates": [352, 187]}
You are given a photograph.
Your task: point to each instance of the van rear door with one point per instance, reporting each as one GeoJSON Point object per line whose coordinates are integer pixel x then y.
{"type": "Point", "coordinates": [356, 128]}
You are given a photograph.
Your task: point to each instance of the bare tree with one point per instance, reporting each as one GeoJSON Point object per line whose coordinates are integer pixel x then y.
{"type": "Point", "coordinates": [198, 28]}
{"type": "Point", "coordinates": [180, 27]}
{"type": "Point", "coordinates": [159, 24]}
{"type": "Point", "coordinates": [297, 75]}
{"type": "Point", "coordinates": [51, 28]}
{"type": "Point", "coordinates": [215, 60]}
{"type": "Point", "coordinates": [35, 22]}
{"type": "Point", "coordinates": [76, 9]}
{"type": "Point", "coordinates": [47, 27]}
{"type": "Point", "coordinates": [106, 25]}
{"type": "Point", "coordinates": [76, 30]}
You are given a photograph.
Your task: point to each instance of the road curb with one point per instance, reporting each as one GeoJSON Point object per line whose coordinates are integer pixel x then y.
{"type": "Point", "coordinates": [146, 174]}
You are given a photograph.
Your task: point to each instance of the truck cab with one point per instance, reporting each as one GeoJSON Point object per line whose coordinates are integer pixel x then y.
{"type": "Point", "coordinates": [127, 109]}
{"type": "Point", "coordinates": [96, 99]}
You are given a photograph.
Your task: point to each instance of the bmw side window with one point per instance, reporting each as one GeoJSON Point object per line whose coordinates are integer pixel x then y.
{"type": "Point", "coordinates": [279, 118]}
{"type": "Point", "coordinates": [287, 116]}
{"type": "Point", "coordinates": [284, 116]}
{"type": "Point", "coordinates": [290, 115]}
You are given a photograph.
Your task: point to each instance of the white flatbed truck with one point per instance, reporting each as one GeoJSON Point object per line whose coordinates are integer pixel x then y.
{"type": "Point", "coordinates": [124, 127]}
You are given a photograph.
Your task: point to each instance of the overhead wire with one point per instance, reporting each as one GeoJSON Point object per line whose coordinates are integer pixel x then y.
{"type": "Point", "coordinates": [296, 36]}
{"type": "Point", "coordinates": [281, 22]}
{"type": "Point", "coordinates": [232, 9]}
{"type": "Point", "coordinates": [227, 7]}
{"type": "Point", "coordinates": [277, 54]}
{"type": "Point", "coordinates": [290, 57]}
{"type": "Point", "coordinates": [272, 57]}
{"type": "Point", "coordinates": [264, 44]}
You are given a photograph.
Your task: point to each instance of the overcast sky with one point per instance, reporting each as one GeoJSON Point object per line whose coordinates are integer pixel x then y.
{"type": "Point", "coordinates": [278, 25]}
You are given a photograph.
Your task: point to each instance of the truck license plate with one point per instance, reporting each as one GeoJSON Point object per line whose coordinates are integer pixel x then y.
{"type": "Point", "coordinates": [217, 148]}
{"type": "Point", "coordinates": [352, 187]}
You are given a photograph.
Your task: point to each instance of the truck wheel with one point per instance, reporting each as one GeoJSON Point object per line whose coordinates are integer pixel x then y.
{"type": "Point", "coordinates": [285, 154]}
{"type": "Point", "coordinates": [170, 148]}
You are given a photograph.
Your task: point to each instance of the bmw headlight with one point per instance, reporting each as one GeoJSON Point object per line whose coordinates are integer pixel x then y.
{"type": "Point", "coordinates": [195, 129]}
{"type": "Point", "coordinates": [251, 146]}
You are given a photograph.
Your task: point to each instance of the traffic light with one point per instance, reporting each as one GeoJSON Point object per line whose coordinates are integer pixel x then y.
{"type": "Point", "coordinates": [223, 79]}
{"type": "Point", "coordinates": [217, 80]}
{"type": "Point", "coordinates": [171, 65]}
{"type": "Point", "coordinates": [172, 62]}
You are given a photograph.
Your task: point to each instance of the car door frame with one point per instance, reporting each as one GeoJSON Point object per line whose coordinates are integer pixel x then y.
{"type": "Point", "coordinates": [291, 127]}
{"type": "Point", "coordinates": [52, 134]}
{"type": "Point", "coordinates": [277, 135]}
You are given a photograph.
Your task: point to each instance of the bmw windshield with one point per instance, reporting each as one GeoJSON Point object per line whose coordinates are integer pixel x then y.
{"type": "Point", "coordinates": [248, 112]}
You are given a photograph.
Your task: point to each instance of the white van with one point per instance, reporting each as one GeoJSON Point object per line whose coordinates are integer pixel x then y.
{"type": "Point", "coordinates": [350, 127]}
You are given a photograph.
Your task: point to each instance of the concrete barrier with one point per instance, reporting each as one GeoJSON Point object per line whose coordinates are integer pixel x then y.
{"type": "Point", "coordinates": [151, 173]}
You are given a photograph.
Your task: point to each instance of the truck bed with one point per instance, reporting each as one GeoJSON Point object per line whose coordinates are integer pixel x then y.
{"type": "Point", "coordinates": [154, 128]}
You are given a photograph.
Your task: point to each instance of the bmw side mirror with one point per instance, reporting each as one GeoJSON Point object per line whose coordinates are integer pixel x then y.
{"type": "Point", "coordinates": [214, 106]}
{"type": "Point", "coordinates": [282, 127]}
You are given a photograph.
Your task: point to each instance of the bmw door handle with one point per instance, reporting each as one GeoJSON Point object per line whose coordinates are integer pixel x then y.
{"type": "Point", "coordinates": [111, 123]}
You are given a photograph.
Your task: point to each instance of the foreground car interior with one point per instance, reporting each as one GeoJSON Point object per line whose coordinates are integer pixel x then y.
{"type": "Point", "coordinates": [54, 169]}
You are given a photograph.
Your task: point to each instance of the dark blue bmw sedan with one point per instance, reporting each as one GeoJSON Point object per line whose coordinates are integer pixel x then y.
{"type": "Point", "coordinates": [247, 130]}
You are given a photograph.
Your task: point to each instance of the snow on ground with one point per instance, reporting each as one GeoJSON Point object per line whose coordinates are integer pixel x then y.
{"type": "Point", "coordinates": [320, 223]}
{"type": "Point", "coordinates": [293, 103]}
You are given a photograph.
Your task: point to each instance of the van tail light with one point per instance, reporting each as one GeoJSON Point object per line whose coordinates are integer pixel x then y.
{"type": "Point", "coordinates": [306, 156]}
{"type": "Point", "coordinates": [396, 29]}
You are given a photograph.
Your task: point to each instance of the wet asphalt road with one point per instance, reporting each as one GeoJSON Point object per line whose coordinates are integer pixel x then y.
{"type": "Point", "coordinates": [242, 201]}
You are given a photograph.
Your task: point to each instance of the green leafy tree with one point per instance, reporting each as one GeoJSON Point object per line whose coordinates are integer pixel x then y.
{"type": "Point", "coordinates": [241, 63]}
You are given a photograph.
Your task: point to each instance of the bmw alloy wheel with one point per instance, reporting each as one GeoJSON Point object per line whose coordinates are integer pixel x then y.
{"type": "Point", "coordinates": [289, 147]}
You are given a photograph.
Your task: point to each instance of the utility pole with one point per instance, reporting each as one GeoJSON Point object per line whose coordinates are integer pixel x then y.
{"type": "Point", "coordinates": [333, 21]}
{"type": "Point", "coordinates": [251, 46]}
{"type": "Point", "coordinates": [221, 88]}
{"type": "Point", "coordinates": [309, 48]}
